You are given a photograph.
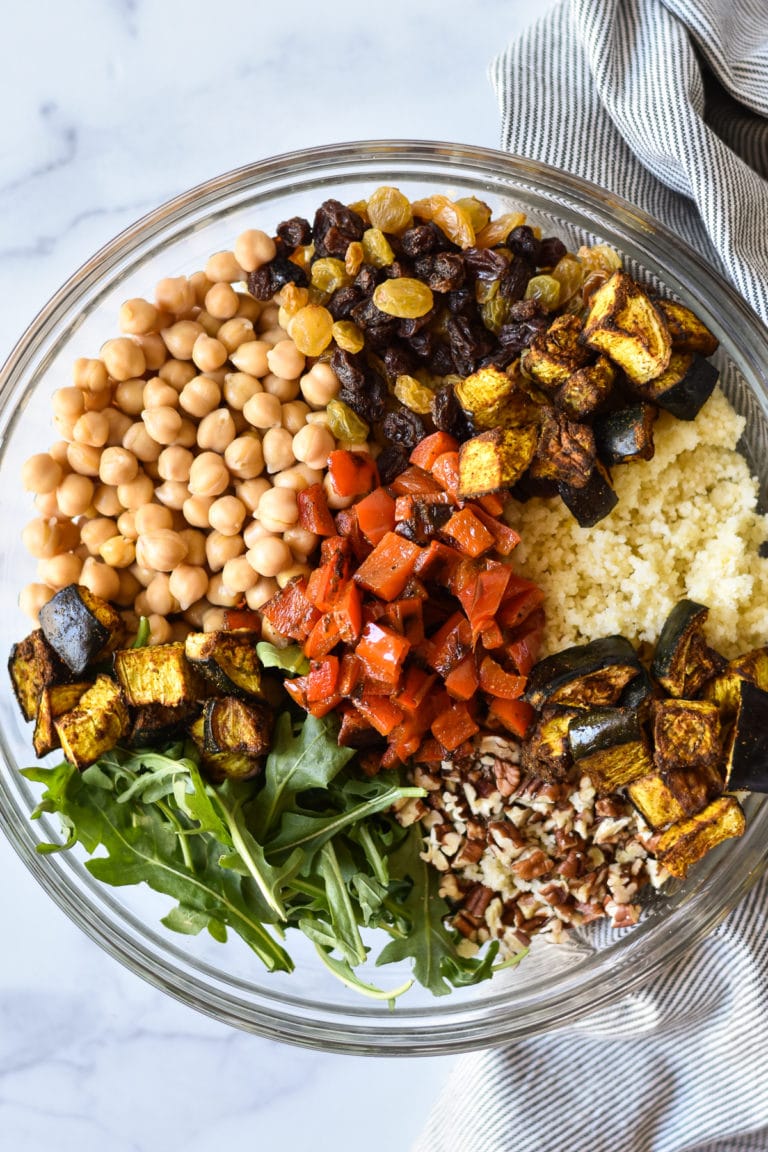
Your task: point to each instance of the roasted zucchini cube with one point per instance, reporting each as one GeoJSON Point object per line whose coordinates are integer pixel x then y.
{"type": "Point", "coordinates": [626, 434]}
{"type": "Point", "coordinates": [227, 659]}
{"type": "Point", "coordinates": [586, 389]}
{"type": "Point", "coordinates": [54, 702]}
{"type": "Point", "coordinates": [233, 737]}
{"type": "Point", "coordinates": [155, 674]}
{"type": "Point", "coordinates": [687, 332]}
{"type": "Point", "coordinates": [495, 459]}
{"type": "Point", "coordinates": [546, 750]}
{"type": "Point", "coordinates": [686, 734]}
{"type": "Point", "coordinates": [34, 666]}
{"type": "Point", "coordinates": [746, 759]}
{"type": "Point", "coordinates": [593, 501]}
{"type": "Point", "coordinates": [585, 676]}
{"type": "Point", "coordinates": [95, 725]}
{"type": "Point", "coordinates": [153, 725]}
{"type": "Point", "coordinates": [683, 662]}
{"type": "Point", "coordinates": [554, 355]}
{"type": "Point", "coordinates": [684, 387]}
{"type": "Point", "coordinates": [682, 844]}
{"type": "Point", "coordinates": [81, 627]}
{"type": "Point", "coordinates": [724, 690]}
{"type": "Point", "coordinates": [565, 451]}
{"type": "Point", "coordinates": [623, 324]}
{"type": "Point", "coordinates": [610, 745]}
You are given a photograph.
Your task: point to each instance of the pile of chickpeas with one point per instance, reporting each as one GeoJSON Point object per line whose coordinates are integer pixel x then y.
{"type": "Point", "coordinates": [172, 489]}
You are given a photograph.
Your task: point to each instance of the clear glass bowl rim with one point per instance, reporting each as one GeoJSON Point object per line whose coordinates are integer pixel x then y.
{"type": "Point", "coordinates": [444, 1029]}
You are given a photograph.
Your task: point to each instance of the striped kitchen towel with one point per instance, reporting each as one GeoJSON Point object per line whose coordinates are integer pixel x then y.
{"type": "Point", "coordinates": [664, 102]}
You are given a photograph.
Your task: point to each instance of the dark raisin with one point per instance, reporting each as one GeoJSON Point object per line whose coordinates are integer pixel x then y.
{"type": "Point", "coordinates": [519, 335]}
{"type": "Point", "coordinates": [551, 250]}
{"type": "Point", "coordinates": [523, 243]}
{"type": "Point", "coordinates": [295, 231]}
{"type": "Point", "coordinates": [403, 427]}
{"type": "Point", "coordinates": [485, 263]}
{"type": "Point", "coordinates": [468, 345]}
{"type": "Point", "coordinates": [423, 344]}
{"type": "Point", "coordinates": [448, 415]}
{"type": "Point", "coordinates": [270, 278]}
{"type": "Point", "coordinates": [260, 283]}
{"type": "Point", "coordinates": [441, 362]}
{"type": "Point", "coordinates": [369, 400]}
{"type": "Point", "coordinates": [414, 324]}
{"type": "Point", "coordinates": [515, 280]}
{"type": "Point", "coordinates": [397, 268]}
{"type": "Point", "coordinates": [368, 317]}
{"type": "Point", "coordinates": [425, 523]}
{"type": "Point", "coordinates": [349, 368]}
{"type": "Point", "coordinates": [419, 240]}
{"type": "Point", "coordinates": [523, 310]}
{"type": "Point", "coordinates": [367, 279]}
{"type": "Point", "coordinates": [336, 227]}
{"type": "Point", "coordinates": [461, 301]}
{"type": "Point", "coordinates": [441, 271]}
{"type": "Point", "coordinates": [399, 361]}
{"type": "Point", "coordinates": [500, 358]}
{"type": "Point", "coordinates": [391, 461]}
{"type": "Point", "coordinates": [343, 301]}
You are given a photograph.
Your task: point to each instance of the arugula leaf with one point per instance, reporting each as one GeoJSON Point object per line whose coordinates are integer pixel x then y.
{"type": "Point", "coordinates": [290, 659]}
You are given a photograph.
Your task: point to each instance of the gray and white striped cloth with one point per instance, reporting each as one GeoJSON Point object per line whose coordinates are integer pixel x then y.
{"type": "Point", "coordinates": [666, 103]}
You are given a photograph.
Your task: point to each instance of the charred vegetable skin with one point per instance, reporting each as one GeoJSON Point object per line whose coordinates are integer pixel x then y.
{"type": "Point", "coordinates": [675, 739]}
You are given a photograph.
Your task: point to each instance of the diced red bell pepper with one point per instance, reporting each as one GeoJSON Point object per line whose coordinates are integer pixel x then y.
{"type": "Point", "coordinates": [523, 647]}
{"type": "Point", "coordinates": [403, 742]}
{"type": "Point", "coordinates": [427, 450]}
{"type": "Point", "coordinates": [437, 562]}
{"type": "Point", "coordinates": [481, 596]}
{"type": "Point", "coordinates": [461, 682]}
{"type": "Point", "coordinates": [323, 707]}
{"type": "Point", "coordinates": [348, 612]}
{"type": "Point", "coordinates": [323, 679]}
{"type": "Point", "coordinates": [384, 651]}
{"type": "Point", "coordinates": [352, 473]}
{"type": "Point", "coordinates": [376, 515]}
{"type": "Point", "coordinates": [297, 690]}
{"type": "Point", "coordinates": [407, 506]}
{"type": "Point", "coordinates": [415, 687]}
{"type": "Point", "coordinates": [406, 617]}
{"type": "Point", "coordinates": [492, 636]}
{"type": "Point", "coordinates": [314, 513]}
{"type": "Point", "coordinates": [380, 712]}
{"type": "Point", "coordinates": [446, 471]}
{"type": "Point", "coordinates": [516, 609]}
{"type": "Point", "coordinates": [246, 619]}
{"type": "Point", "coordinates": [453, 726]}
{"type": "Point", "coordinates": [388, 569]}
{"type": "Point", "coordinates": [326, 581]}
{"type": "Point", "coordinates": [415, 481]}
{"type": "Point", "coordinates": [324, 636]}
{"type": "Point", "coordinates": [290, 611]}
{"type": "Point", "coordinates": [496, 681]}
{"type": "Point", "coordinates": [450, 644]}
{"type": "Point", "coordinates": [468, 533]}
{"type": "Point", "coordinates": [516, 715]}
{"type": "Point", "coordinates": [430, 752]}
{"type": "Point", "coordinates": [491, 503]}
{"type": "Point", "coordinates": [505, 538]}
{"type": "Point", "coordinates": [355, 731]}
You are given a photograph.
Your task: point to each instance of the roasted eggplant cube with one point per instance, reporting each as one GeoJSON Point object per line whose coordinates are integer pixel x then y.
{"type": "Point", "coordinates": [80, 627]}
{"type": "Point", "coordinates": [153, 725]}
{"type": "Point", "coordinates": [495, 459]}
{"type": "Point", "coordinates": [482, 395]}
{"type": "Point", "coordinates": [686, 734]}
{"type": "Point", "coordinates": [234, 737]}
{"type": "Point", "coordinates": [587, 389]}
{"type": "Point", "coordinates": [565, 451]}
{"type": "Point", "coordinates": [682, 844]}
{"type": "Point", "coordinates": [610, 745]}
{"type": "Point", "coordinates": [665, 798]}
{"type": "Point", "coordinates": [227, 659]}
{"type": "Point", "coordinates": [686, 331]}
{"type": "Point", "coordinates": [683, 662]}
{"type": "Point", "coordinates": [556, 354]}
{"type": "Point", "coordinates": [626, 434]}
{"type": "Point", "coordinates": [724, 690]}
{"type": "Point", "coordinates": [34, 666]}
{"type": "Point", "coordinates": [746, 761]}
{"type": "Point", "coordinates": [546, 750]}
{"type": "Point", "coordinates": [684, 387]}
{"type": "Point", "coordinates": [95, 725]}
{"type": "Point", "coordinates": [623, 324]}
{"type": "Point", "coordinates": [586, 675]}
{"type": "Point", "coordinates": [54, 702]}
{"type": "Point", "coordinates": [155, 674]}
{"type": "Point", "coordinates": [593, 501]}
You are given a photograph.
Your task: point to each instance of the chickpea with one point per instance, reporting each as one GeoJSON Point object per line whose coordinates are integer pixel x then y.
{"type": "Point", "coordinates": [117, 466]}
{"type": "Point", "coordinates": [137, 317]}
{"type": "Point", "coordinates": [277, 447]}
{"type": "Point", "coordinates": [195, 541]}
{"type": "Point", "coordinates": [244, 457]}
{"type": "Point", "coordinates": [210, 324]}
{"type": "Point", "coordinates": [84, 459]}
{"type": "Point", "coordinates": [129, 396]}
{"type": "Point", "coordinates": [74, 495]}
{"type": "Point", "coordinates": [263, 411]}
{"type": "Point", "coordinates": [174, 463]}
{"type": "Point", "coordinates": [151, 517]}
{"type": "Point", "coordinates": [143, 576]}
{"type": "Point", "coordinates": [160, 631]}
{"type": "Point", "coordinates": [41, 473]}
{"type": "Point", "coordinates": [91, 375]}
{"type": "Point", "coordinates": [161, 549]}
{"type": "Point", "coordinates": [195, 510]}
{"type": "Point", "coordinates": [123, 358]}
{"type": "Point", "coordinates": [187, 437]}
{"type": "Point", "coordinates": [284, 390]}
{"type": "Point", "coordinates": [200, 396]}
{"type": "Point", "coordinates": [138, 441]}
{"type": "Point", "coordinates": [188, 583]}
{"type": "Point", "coordinates": [254, 531]}
{"type": "Point", "coordinates": [177, 373]}
{"type": "Point", "coordinates": [46, 538]}
{"type": "Point", "coordinates": [68, 403]}
{"type": "Point", "coordinates": [173, 494]}
{"type": "Point", "coordinates": [284, 359]}
{"type": "Point", "coordinates": [140, 606]}
{"type": "Point", "coordinates": [238, 576]}
{"type": "Point", "coordinates": [180, 338]}
{"type": "Point", "coordinates": [278, 509]}
{"type": "Point", "coordinates": [219, 594]}
{"type": "Point", "coordinates": [272, 636]}
{"type": "Point", "coordinates": [251, 357]}
{"type": "Point", "coordinates": [248, 307]}
{"type": "Point", "coordinates": [163, 423]}
{"type": "Point", "coordinates": [201, 285]}
{"type": "Point", "coordinates": [47, 504]}
{"type": "Point", "coordinates": [268, 317]}
{"type": "Point", "coordinates": [94, 532]}
{"type": "Point", "coordinates": [208, 475]}
{"type": "Point", "coordinates": [299, 477]}
{"type": "Point", "coordinates": [235, 332]}
{"type": "Point", "coordinates": [250, 492]}
{"type": "Point", "coordinates": [269, 556]}
{"type": "Point", "coordinates": [221, 301]}
{"type": "Point", "coordinates": [301, 542]}
{"type": "Point", "coordinates": [129, 587]}
{"type": "Point", "coordinates": [118, 552]}
{"type": "Point", "coordinates": [97, 401]}
{"type": "Point", "coordinates": [335, 502]}
{"type": "Point", "coordinates": [294, 415]}
{"type": "Point", "coordinates": [58, 571]}
{"type": "Point", "coordinates": [159, 596]}
{"type": "Point", "coordinates": [272, 336]}
{"type": "Point", "coordinates": [126, 525]}
{"type": "Point", "coordinates": [254, 248]}
{"type": "Point", "coordinates": [226, 515]}
{"type": "Point", "coordinates": [291, 573]}
{"type": "Point", "coordinates": [313, 445]}
{"type": "Point", "coordinates": [100, 579]}
{"type": "Point", "coordinates": [209, 353]}
{"type": "Point", "coordinates": [92, 428]}
{"type": "Point", "coordinates": [213, 620]}
{"type": "Point", "coordinates": [195, 613]}
{"type": "Point", "coordinates": [64, 426]}
{"type": "Point", "coordinates": [136, 492]}
{"type": "Point", "coordinates": [155, 351]}
{"type": "Point", "coordinates": [119, 423]}
{"type": "Point", "coordinates": [264, 589]}
{"type": "Point", "coordinates": [106, 500]}
{"type": "Point", "coordinates": [223, 266]}
{"type": "Point", "coordinates": [216, 430]}
{"type": "Point", "coordinates": [158, 394]}
{"type": "Point", "coordinates": [319, 385]}
{"type": "Point", "coordinates": [33, 597]}
{"type": "Point", "coordinates": [220, 548]}
{"type": "Point", "coordinates": [238, 389]}
{"type": "Point", "coordinates": [175, 294]}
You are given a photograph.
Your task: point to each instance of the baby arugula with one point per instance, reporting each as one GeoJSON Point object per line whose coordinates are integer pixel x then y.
{"type": "Point", "coordinates": [313, 845]}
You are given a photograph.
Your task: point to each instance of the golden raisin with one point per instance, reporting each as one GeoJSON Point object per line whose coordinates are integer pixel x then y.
{"type": "Point", "coordinates": [348, 336]}
{"type": "Point", "coordinates": [454, 221]}
{"type": "Point", "coordinates": [545, 290]}
{"type": "Point", "coordinates": [376, 248]}
{"type": "Point", "coordinates": [354, 258]}
{"type": "Point", "coordinates": [600, 258]}
{"type": "Point", "coordinates": [414, 395]}
{"type": "Point", "coordinates": [497, 231]}
{"type": "Point", "coordinates": [311, 329]}
{"type": "Point", "coordinates": [346, 424]}
{"type": "Point", "coordinates": [404, 297]}
{"type": "Point", "coordinates": [328, 274]}
{"type": "Point", "coordinates": [478, 212]}
{"type": "Point", "coordinates": [389, 210]}
{"type": "Point", "coordinates": [569, 273]}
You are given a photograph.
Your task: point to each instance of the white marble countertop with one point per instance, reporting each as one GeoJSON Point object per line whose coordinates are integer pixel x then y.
{"type": "Point", "coordinates": [113, 106]}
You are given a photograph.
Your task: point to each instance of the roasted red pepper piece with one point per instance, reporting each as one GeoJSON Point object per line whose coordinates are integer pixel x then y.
{"type": "Point", "coordinates": [406, 617]}
{"type": "Point", "coordinates": [327, 581]}
{"type": "Point", "coordinates": [355, 731]}
{"type": "Point", "coordinates": [323, 678]}
{"type": "Point", "coordinates": [352, 473]}
{"type": "Point", "coordinates": [376, 515]}
{"type": "Point", "coordinates": [290, 612]}
{"type": "Point", "coordinates": [324, 636]}
{"type": "Point", "coordinates": [350, 674]}
{"type": "Point", "coordinates": [297, 690]}
{"type": "Point", "coordinates": [492, 636]}
{"type": "Point", "coordinates": [446, 471]}
{"type": "Point", "coordinates": [453, 726]}
{"type": "Point", "coordinates": [496, 681]}
{"type": "Point", "coordinates": [437, 562]}
{"type": "Point", "coordinates": [467, 532]}
{"type": "Point", "coordinates": [241, 618]}
{"type": "Point", "coordinates": [388, 569]}
{"type": "Point", "coordinates": [516, 609]}
{"type": "Point", "coordinates": [523, 647]}
{"type": "Point", "coordinates": [482, 593]}
{"type": "Point", "coordinates": [314, 513]}
{"type": "Point", "coordinates": [427, 450]}
{"type": "Point", "coordinates": [415, 481]}
{"type": "Point", "coordinates": [380, 712]}
{"type": "Point", "coordinates": [348, 613]}
{"type": "Point", "coordinates": [515, 715]}
{"type": "Point", "coordinates": [384, 651]}
{"type": "Point", "coordinates": [462, 682]}
{"type": "Point", "coordinates": [415, 688]}
{"type": "Point", "coordinates": [505, 538]}
{"type": "Point", "coordinates": [450, 644]}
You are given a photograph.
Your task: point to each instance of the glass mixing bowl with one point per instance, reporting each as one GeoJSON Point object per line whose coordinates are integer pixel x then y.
{"type": "Point", "coordinates": [554, 985]}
